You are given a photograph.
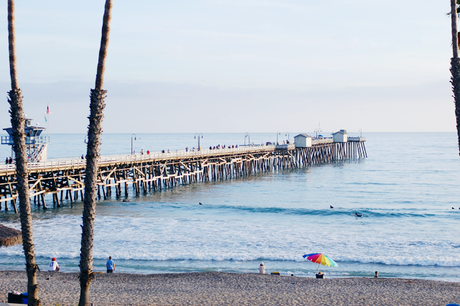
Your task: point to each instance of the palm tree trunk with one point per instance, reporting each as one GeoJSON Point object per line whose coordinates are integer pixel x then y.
{"type": "Point", "coordinates": [12, 45]}
{"type": "Point", "coordinates": [19, 147]}
{"type": "Point", "coordinates": [97, 106]}
{"type": "Point", "coordinates": [455, 66]}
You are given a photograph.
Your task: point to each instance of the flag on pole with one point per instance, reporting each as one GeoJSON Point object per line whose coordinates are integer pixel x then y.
{"type": "Point", "coordinates": [46, 120]}
{"type": "Point", "coordinates": [47, 109]}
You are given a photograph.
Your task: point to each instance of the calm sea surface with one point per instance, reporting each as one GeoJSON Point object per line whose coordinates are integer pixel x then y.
{"type": "Point", "coordinates": [405, 189]}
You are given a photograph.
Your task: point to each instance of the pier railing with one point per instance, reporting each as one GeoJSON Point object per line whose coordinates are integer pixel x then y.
{"type": "Point", "coordinates": [30, 140]}
{"type": "Point", "coordinates": [128, 158]}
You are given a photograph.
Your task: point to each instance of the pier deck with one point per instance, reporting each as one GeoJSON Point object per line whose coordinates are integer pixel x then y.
{"type": "Point", "coordinates": [64, 178]}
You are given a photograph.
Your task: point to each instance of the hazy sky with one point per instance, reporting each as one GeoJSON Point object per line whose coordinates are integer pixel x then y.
{"type": "Point", "coordinates": [236, 65]}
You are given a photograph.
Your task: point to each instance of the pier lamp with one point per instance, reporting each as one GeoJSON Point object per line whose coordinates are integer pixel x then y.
{"type": "Point", "coordinates": [133, 137]}
{"type": "Point", "coordinates": [287, 134]}
{"type": "Point", "coordinates": [248, 137]}
{"type": "Point", "coordinates": [317, 131]}
{"type": "Point", "coordinates": [198, 136]}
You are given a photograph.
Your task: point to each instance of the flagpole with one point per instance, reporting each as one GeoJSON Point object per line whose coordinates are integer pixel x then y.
{"type": "Point", "coordinates": [48, 121]}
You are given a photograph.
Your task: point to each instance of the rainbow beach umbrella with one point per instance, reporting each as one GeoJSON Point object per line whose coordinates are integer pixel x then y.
{"type": "Point", "coordinates": [321, 259]}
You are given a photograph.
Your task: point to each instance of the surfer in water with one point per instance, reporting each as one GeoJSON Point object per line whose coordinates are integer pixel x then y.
{"type": "Point", "coordinates": [358, 215]}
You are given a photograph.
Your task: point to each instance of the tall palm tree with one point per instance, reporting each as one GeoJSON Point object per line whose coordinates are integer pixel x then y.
{"type": "Point", "coordinates": [19, 147]}
{"type": "Point", "coordinates": [97, 106]}
{"type": "Point", "coordinates": [455, 65]}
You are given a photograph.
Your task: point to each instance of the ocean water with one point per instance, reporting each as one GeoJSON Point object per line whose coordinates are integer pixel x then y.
{"type": "Point", "coordinates": [405, 190]}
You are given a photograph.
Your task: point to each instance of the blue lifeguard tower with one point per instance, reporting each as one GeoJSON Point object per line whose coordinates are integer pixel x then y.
{"type": "Point", "coordinates": [37, 145]}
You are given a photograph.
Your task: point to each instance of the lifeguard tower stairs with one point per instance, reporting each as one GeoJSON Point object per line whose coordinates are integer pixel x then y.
{"type": "Point", "coordinates": [37, 145]}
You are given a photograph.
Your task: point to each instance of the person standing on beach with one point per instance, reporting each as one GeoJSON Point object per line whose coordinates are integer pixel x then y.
{"type": "Point", "coordinates": [53, 266]}
{"type": "Point", "coordinates": [110, 265]}
{"type": "Point", "coordinates": [261, 268]}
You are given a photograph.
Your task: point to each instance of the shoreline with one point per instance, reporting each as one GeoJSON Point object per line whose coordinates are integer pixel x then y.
{"type": "Point", "coordinates": [220, 288]}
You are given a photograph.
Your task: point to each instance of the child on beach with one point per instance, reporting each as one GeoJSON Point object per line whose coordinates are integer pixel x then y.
{"type": "Point", "coordinates": [53, 266]}
{"type": "Point", "coordinates": [261, 268]}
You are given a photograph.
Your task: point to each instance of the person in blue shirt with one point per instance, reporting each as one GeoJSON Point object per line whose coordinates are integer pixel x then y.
{"type": "Point", "coordinates": [110, 265]}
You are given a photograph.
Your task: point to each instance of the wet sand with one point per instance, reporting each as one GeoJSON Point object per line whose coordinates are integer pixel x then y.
{"type": "Point", "coordinates": [215, 288]}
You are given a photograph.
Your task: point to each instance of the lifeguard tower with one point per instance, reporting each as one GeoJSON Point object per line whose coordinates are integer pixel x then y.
{"type": "Point", "coordinates": [37, 145]}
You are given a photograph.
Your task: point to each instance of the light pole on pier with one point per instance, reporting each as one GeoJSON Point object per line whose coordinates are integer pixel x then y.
{"type": "Point", "coordinates": [277, 133]}
{"type": "Point", "coordinates": [287, 134]}
{"type": "Point", "coordinates": [318, 130]}
{"type": "Point", "coordinates": [133, 137]}
{"type": "Point", "coordinates": [198, 136]}
{"type": "Point", "coordinates": [248, 137]}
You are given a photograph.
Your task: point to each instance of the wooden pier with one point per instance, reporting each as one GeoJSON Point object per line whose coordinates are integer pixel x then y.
{"type": "Point", "coordinates": [63, 179]}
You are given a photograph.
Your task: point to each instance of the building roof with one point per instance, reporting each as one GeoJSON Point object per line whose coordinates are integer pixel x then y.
{"type": "Point", "coordinates": [302, 135]}
{"type": "Point", "coordinates": [340, 132]}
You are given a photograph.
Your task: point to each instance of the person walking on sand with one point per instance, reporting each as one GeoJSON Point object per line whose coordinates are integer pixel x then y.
{"type": "Point", "coordinates": [110, 265]}
{"type": "Point", "coordinates": [53, 266]}
{"type": "Point", "coordinates": [261, 268]}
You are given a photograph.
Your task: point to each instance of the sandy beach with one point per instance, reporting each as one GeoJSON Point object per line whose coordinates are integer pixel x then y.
{"type": "Point", "coordinates": [214, 288]}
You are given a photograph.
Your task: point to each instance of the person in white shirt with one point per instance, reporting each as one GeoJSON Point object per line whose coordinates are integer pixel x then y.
{"type": "Point", "coordinates": [53, 266]}
{"type": "Point", "coordinates": [261, 268]}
